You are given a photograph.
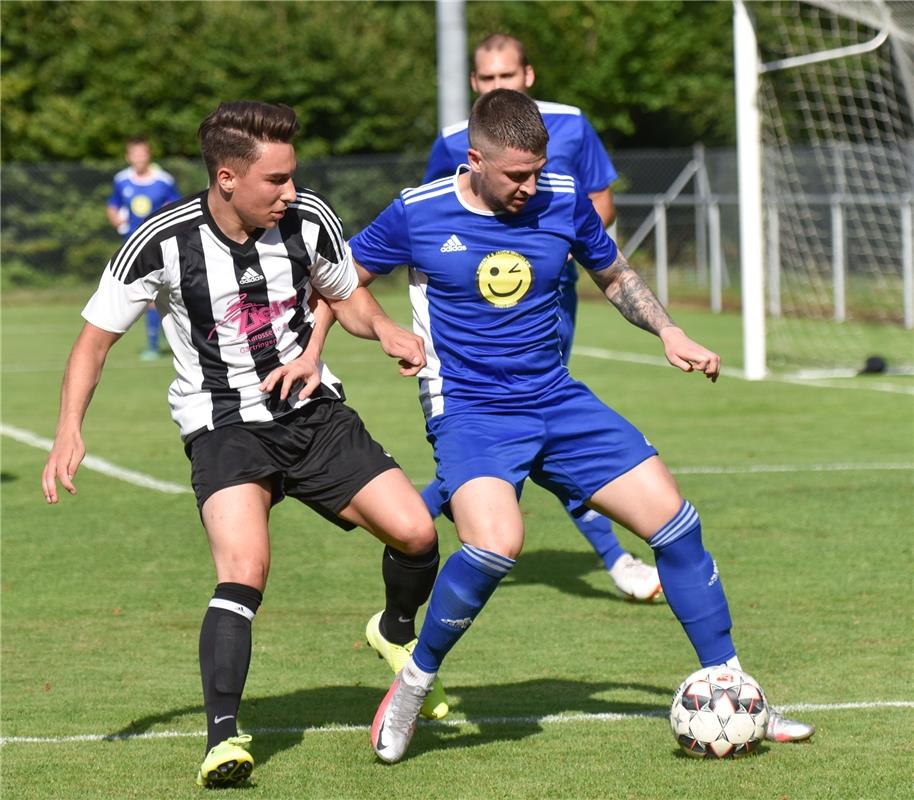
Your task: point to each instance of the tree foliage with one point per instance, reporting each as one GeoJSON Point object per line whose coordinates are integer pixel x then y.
{"type": "Point", "coordinates": [80, 77]}
{"type": "Point", "coordinates": [647, 74]}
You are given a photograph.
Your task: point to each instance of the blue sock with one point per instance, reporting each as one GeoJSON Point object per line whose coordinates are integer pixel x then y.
{"type": "Point", "coordinates": [431, 494]}
{"type": "Point", "coordinates": [598, 530]}
{"type": "Point", "coordinates": [152, 328]}
{"type": "Point", "coordinates": [465, 583]}
{"type": "Point", "coordinates": [692, 586]}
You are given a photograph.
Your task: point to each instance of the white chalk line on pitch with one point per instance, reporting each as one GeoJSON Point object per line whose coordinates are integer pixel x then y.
{"type": "Point", "coordinates": [96, 464]}
{"type": "Point", "coordinates": [148, 482]}
{"type": "Point", "coordinates": [867, 384]}
{"type": "Point", "coordinates": [548, 719]}
{"type": "Point", "coordinates": [755, 469]}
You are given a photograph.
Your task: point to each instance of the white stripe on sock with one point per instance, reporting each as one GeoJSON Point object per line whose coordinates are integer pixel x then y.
{"type": "Point", "coordinates": [684, 521]}
{"type": "Point", "coordinates": [230, 605]}
{"type": "Point", "coordinates": [487, 558]}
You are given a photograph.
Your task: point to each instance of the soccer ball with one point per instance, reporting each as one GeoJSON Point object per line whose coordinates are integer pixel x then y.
{"type": "Point", "coordinates": [719, 712]}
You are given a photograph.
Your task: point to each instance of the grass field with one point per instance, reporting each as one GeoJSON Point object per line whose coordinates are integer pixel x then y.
{"type": "Point", "coordinates": [560, 691]}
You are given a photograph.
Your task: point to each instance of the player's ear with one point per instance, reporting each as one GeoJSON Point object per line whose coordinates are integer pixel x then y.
{"type": "Point", "coordinates": [225, 179]}
{"type": "Point", "coordinates": [474, 159]}
{"type": "Point", "coordinates": [474, 84]}
{"type": "Point", "coordinates": [529, 76]}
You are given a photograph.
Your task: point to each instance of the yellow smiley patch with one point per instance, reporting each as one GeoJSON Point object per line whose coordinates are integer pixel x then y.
{"type": "Point", "coordinates": [141, 206]}
{"type": "Point", "coordinates": [504, 278]}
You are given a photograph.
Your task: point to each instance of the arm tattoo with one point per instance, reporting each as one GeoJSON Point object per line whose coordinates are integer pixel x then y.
{"type": "Point", "coordinates": [628, 292]}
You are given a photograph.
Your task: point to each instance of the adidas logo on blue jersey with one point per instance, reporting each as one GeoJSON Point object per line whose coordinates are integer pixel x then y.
{"type": "Point", "coordinates": [453, 245]}
{"type": "Point", "coordinates": [250, 276]}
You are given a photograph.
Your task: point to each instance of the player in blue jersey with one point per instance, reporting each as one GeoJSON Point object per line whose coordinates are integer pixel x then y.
{"type": "Point", "coordinates": [500, 62]}
{"type": "Point", "coordinates": [486, 249]}
{"type": "Point", "coordinates": [137, 191]}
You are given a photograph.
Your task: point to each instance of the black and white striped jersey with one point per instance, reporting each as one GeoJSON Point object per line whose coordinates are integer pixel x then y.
{"type": "Point", "coordinates": [231, 312]}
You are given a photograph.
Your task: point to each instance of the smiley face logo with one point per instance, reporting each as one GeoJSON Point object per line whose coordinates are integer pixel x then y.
{"type": "Point", "coordinates": [504, 278]}
{"type": "Point", "coordinates": [141, 206]}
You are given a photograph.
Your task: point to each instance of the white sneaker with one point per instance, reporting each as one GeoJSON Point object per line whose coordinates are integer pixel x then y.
{"type": "Point", "coordinates": [395, 720]}
{"type": "Point", "coordinates": [396, 656]}
{"type": "Point", "coordinates": [635, 579]}
{"type": "Point", "coordinates": [781, 729]}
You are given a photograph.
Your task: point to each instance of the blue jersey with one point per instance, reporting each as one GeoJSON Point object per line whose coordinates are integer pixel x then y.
{"type": "Point", "coordinates": [484, 286]}
{"type": "Point", "coordinates": [574, 149]}
{"type": "Point", "coordinates": [138, 197]}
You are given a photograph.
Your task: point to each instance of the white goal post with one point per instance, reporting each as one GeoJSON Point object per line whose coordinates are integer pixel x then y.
{"type": "Point", "coordinates": [825, 145]}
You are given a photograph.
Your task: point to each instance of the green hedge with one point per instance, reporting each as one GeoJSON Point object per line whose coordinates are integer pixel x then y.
{"type": "Point", "coordinates": [81, 77]}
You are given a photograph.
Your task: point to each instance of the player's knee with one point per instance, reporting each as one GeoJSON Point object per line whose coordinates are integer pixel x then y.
{"type": "Point", "coordinates": [414, 533]}
{"type": "Point", "coordinates": [250, 572]}
{"type": "Point", "coordinates": [496, 541]}
{"type": "Point", "coordinates": [500, 533]}
{"type": "Point", "coordinates": [509, 549]}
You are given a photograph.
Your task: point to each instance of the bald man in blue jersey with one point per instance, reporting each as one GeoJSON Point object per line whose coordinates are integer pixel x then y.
{"type": "Point", "coordinates": [500, 62]}
{"type": "Point", "coordinates": [486, 249]}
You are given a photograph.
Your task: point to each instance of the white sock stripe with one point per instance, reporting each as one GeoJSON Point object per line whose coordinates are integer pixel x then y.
{"type": "Point", "coordinates": [674, 523]}
{"type": "Point", "coordinates": [684, 520]}
{"type": "Point", "coordinates": [231, 605]}
{"type": "Point", "coordinates": [671, 534]}
{"type": "Point", "coordinates": [489, 559]}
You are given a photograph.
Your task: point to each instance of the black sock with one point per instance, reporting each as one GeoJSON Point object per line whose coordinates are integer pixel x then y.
{"type": "Point", "coordinates": [408, 582]}
{"type": "Point", "coordinates": [225, 654]}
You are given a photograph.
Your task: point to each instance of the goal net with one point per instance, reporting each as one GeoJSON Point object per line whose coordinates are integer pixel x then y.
{"type": "Point", "coordinates": [835, 104]}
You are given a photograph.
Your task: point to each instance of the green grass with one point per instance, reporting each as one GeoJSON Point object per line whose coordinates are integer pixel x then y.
{"type": "Point", "coordinates": [102, 598]}
{"type": "Point", "coordinates": [805, 337]}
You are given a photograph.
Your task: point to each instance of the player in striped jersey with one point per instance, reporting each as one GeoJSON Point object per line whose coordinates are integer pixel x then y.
{"type": "Point", "coordinates": [500, 62]}
{"type": "Point", "coordinates": [237, 271]}
{"type": "Point", "coordinates": [499, 402]}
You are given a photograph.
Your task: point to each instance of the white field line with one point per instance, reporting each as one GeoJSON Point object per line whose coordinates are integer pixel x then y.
{"type": "Point", "coordinates": [549, 719]}
{"type": "Point", "coordinates": [866, 383]}
{"type": "Point", "coordinates": [752, 469]}
{"type": "Point", "coordinates": [755, 469]}
{"type": "Point", "coordinates": [96, 464]}
{"type": "Point", "coordinates": [148, 482]}
{"type": "Point", "coordinates": [58, 369]}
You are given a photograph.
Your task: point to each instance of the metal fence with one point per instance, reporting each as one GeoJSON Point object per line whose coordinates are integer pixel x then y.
{"type": "Point", "coordinates": [677, 215]}
{"type": "Point", "coordinates": [54, 224]}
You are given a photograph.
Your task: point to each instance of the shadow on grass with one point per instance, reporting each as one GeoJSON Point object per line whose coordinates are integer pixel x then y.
{"type": "Point", "coordinates": [562, 570]}
{"type": "Point", "coordinates": [506, 712]}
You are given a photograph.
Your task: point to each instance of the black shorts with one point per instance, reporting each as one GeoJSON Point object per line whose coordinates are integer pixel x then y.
{"type": "Point", "coordinates": [321, 455]}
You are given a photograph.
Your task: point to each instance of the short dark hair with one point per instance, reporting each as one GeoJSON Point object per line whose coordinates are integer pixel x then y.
{"type": "Point", "coordinates": [233, 133]}
{"type": "Point", "coordinates": [506, 118]}
{"type": "Point", "coordinates": [135, 140]}
{"type": "Point", "coordinates": [500, 41]}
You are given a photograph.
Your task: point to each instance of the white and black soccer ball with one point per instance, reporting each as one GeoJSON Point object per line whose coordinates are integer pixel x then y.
{"type": "Point", "coordinates": [719, 712]}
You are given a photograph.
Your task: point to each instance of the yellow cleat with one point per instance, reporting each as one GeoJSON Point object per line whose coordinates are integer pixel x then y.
{"type": "Point", "coordinates": [396, 655]}
{"type": "Point", "coordinates": [227, 764]}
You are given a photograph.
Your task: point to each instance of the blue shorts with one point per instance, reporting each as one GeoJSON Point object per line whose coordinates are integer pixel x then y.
{"type": "Point", "coordinates": [569, 442]}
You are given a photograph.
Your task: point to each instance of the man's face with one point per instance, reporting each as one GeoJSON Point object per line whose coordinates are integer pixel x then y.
{"type": "Point", "coordinates": [139, 156]}
{"type": "Point", "coordinates": [500, 69]}
{"type": "Point", "coordinates": [506, 176]}
{"type": "Point", "coordinates": [261, 195]}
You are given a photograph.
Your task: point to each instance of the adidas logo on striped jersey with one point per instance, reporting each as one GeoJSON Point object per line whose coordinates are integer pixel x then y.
{"type": "Point", "coordinates": [250, 276]}
{"type": "Point", "coordinates": [453, 245]}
